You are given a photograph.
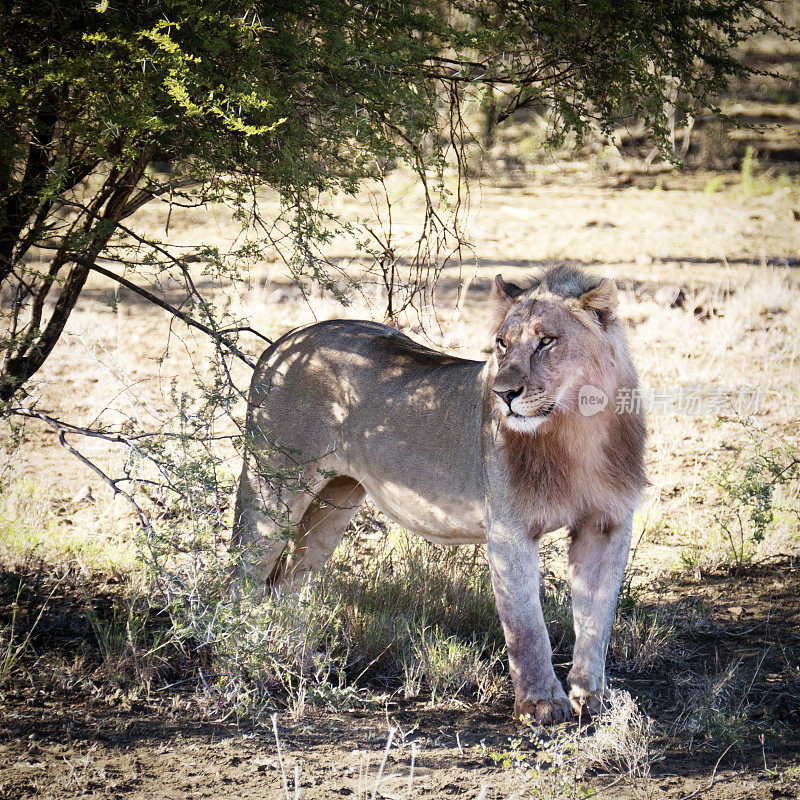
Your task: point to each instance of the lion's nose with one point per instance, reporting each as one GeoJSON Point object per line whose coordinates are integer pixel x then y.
{"type": "Point", "coordinates": [508, 395]}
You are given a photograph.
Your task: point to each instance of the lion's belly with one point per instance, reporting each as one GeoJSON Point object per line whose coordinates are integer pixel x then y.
{"type": "Point", "coordinates": [438, 518]}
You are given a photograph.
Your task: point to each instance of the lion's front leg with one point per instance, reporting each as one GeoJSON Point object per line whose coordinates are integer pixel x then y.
{"type": "Point", "coordinates": [514, 566]}
{"type": "Point", "coordinates": [597, 558]}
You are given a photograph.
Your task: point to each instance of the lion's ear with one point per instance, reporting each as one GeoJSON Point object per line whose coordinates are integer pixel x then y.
{"type": "Point", "coordinates": [504, 291]}
{"type": "Point", "coordinates": [503, 297]}
{"type": "Point", "coordinates": [602, 300]}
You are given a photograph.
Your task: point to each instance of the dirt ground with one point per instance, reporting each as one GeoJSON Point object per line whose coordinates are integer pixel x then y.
{"type": "Point", "coordinates": [707, 269]}
{"type": "Point", "coordinates": [104, 747]}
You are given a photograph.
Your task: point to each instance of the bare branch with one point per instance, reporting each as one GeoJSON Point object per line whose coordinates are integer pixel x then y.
{"type": "Point", "coordinates": [190, 321]}
{"type": "Point", "coordinates": [62, 431]}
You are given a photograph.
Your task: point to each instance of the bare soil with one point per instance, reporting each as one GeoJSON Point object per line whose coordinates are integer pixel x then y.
{"type": "Point", "coordinates": [95, 744]}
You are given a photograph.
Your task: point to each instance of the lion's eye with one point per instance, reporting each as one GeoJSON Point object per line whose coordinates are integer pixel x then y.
{"type": "Point", "coordinates": [546, 341]}
{"type": "Point", "coordinates": [501, 344]}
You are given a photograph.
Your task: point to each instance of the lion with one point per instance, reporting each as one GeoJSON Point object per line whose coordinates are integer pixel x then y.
{"type": "Point", "coordinates": [461, 452]}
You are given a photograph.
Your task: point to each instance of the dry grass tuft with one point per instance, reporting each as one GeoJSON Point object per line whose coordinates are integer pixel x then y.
{"type": "Point", "coordinates": [622, 742]}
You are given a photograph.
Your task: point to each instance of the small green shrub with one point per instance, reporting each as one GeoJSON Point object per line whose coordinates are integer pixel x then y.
{"type": "Point", "coordinates": [752, 487]}
{"type": "Point", "coordinates": [757, 499]}
{"type": "Point", "coordinates": [718, 710]}
{"type": "Point", "coordinates": [752, 184]}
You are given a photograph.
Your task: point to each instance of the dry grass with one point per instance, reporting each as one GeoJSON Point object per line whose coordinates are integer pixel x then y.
{"type": "Point", "coordinates": [623, 742]}
{"type": "Point", "coordinates": [37, 529]}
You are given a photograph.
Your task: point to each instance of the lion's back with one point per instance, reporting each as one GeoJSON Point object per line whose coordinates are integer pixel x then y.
{"type": "Point", "coordinates": [337, 357]}
{"type": "Point", "coordinates": [354, 378]}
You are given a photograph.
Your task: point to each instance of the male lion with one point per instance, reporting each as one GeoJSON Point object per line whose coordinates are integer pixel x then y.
{"type": "Point", "coordinates": [460, 452]}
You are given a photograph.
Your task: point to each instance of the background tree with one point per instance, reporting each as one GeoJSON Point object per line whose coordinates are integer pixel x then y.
{"type": "Point", "coordinates": [304, 97]}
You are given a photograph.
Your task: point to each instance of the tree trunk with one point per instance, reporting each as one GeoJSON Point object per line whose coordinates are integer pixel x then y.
{"type": "Point", "coordinates": [36, 346]}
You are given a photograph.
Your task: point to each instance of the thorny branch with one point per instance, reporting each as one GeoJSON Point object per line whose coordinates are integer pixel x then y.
{"type": "Point", "coordinates": [182, 316]}
{"type": "Point", "coordinates": [62, 429]}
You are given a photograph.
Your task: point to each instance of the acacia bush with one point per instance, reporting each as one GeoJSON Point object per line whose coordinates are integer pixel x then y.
{"type": "Point", "coordinates": [305, 97]}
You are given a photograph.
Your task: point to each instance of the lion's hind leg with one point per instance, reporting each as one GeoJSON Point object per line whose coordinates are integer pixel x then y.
{"type": "Point", "coordinates": [266, 518]}
{"type": "Point", "coordinates": [321, 529]}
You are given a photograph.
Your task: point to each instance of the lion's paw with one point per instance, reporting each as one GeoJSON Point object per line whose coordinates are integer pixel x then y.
{"type": "Point", "coordinates": [587, 702]}
{"type": "Point", "coordinates": [587, 691]}
{"type": "Point", "coordinates": [543, 712]}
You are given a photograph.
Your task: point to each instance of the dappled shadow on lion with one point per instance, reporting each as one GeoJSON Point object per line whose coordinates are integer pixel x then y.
{"type": "Point", "coordinates": [460, 452]}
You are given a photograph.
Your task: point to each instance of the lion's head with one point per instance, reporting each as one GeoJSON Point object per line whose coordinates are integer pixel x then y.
{"type": "Point", "coordinates": [557, 343]}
